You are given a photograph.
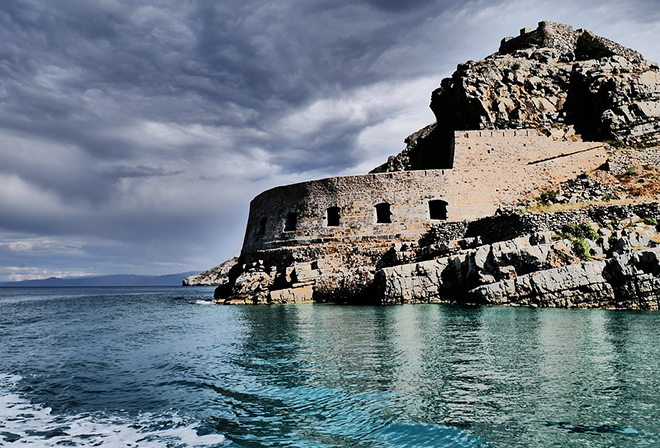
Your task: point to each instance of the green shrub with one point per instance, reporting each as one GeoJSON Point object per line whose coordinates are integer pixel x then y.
{"type": "Point", "coordinates": [650, 221]}
{"type": "Point", "coordinates": [630, 171]}
{"type": "Point", "coordinates": [581, 249]}
{"type": "Point", "coordinates": [618, 143]}
{"type": "Point", "coordinates": [610, 197]}
{"type": "Point", "coordinates": [577, 234]}
{"type": "Point", "coordinates": [580, 231]}
{"type": "Point", "coordinates": [515, 66]}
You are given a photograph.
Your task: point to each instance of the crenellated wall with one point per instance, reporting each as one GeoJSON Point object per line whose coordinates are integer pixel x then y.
{"type": "Point", "coordinates": [490, 168]}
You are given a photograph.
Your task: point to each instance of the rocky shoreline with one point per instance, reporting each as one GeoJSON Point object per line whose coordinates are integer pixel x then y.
{"type": "Point", "coordinates": [616, 266]}
{"type": "Point", "coordinates": [605, 256]}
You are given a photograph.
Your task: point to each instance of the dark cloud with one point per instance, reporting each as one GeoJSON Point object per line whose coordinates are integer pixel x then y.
{"type": "Point", "coordinates": [134, 133]}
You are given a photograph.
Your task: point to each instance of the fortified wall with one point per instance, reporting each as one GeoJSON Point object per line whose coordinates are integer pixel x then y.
{"type": "Point", "coordinates": [490, 168]}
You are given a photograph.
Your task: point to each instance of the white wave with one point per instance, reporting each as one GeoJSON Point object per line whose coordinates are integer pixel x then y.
{"type": "Point", "coordinates": [26, 424]}
{"type": "Point", "coordinates": [204, 302]}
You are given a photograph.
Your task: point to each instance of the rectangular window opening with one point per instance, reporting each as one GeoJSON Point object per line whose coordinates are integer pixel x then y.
{"type": "Point", "coordinates": [291, 222]}
{"type": "Point", "coordinates": [332, 216]}
{"type": "Point", "coordinates": [261, 229]}
{"type": "Point", "coordinates": [383, 213]}
{"type": "Point", "coordinates": [438, 209]}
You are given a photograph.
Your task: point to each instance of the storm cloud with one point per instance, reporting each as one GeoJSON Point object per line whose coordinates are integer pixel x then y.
{"type": "Point", "coordinates": [133, 134]}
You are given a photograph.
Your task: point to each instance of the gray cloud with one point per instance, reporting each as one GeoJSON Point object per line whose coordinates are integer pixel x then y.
{"type": "Point", "coordinates": [134, 134]}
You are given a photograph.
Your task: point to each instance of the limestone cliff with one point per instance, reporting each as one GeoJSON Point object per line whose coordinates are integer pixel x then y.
{"type": "Point", "coordinates": [551, 77]}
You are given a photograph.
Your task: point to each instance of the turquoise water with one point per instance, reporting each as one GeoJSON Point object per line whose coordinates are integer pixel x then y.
{"type": "Point", "coordinates": [159, 367]}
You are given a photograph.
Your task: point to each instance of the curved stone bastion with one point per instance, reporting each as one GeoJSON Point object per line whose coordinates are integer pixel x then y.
{"type": "Point", "coordinates": [489, 168]}
{"type": "Point", "coordinates": [398, 205]}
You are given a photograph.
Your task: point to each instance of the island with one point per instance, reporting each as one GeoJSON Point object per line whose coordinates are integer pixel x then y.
{"type": "Point", "coordinates": [537, 185]}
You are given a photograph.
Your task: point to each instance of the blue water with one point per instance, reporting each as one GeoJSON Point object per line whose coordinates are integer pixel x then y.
{"type": "Point", "coordinates": [157, 367]}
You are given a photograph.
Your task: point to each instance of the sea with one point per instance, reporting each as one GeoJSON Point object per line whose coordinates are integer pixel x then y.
{"type": "Point", "coordinates": [163, 367]}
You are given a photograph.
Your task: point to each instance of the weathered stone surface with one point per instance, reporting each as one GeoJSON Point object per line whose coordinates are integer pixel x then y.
{"type": "Point", "coordinates": [626, 281]}
{"type": "Point", "coordinates": [216, 276]}
{"type": "Point", "coordinates": [292, 295]}
{"type": "Point", "coordinates": [442, 278]}
{"type": "Point", "coordinates": [551, 77]}
{"type": "Point", "coordinates": [437, 268]}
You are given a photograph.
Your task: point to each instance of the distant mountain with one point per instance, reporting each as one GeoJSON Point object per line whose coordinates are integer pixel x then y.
{"type": "Point", "coordinates": [108, 280]}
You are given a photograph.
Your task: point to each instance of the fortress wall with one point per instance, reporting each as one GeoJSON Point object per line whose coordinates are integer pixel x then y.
{"type": "Point", "coordinates": [496, 167]}
{"type": "Point", "coordinates": [407, 192]}
{"type": "Point", "coordinates": [491, 168]}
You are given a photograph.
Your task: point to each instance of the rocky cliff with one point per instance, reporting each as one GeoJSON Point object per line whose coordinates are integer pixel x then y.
{"type": "Point", "coordinates": [552, 78]}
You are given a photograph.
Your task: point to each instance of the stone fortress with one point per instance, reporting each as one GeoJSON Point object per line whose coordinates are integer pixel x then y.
{"type": "Point", "coordinates": [531, 116]}
{"type": "Point", "coordinates": [489, 168]}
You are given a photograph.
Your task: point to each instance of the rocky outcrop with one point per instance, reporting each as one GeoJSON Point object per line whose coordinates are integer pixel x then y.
{"type": "Point", "coordinates": [627, 281]}
{"type": "Point", "coordinates": [514, 259]}
{"type": "Point", "coordinates": [444, 277]}
{"type": "Point", "coordinates": [553, 78]}
{"type": "Point", "coordinates": [536, 271]}
{"type": "Point", "coordinates": [215, 276]}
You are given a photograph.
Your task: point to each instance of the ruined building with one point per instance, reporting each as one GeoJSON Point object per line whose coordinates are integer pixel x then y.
{"type": "Point", "coordinates": [530, 116]}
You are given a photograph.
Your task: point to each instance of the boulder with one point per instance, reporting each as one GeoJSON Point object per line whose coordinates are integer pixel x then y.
{"type": "Point", "coordinates": [444, 277]}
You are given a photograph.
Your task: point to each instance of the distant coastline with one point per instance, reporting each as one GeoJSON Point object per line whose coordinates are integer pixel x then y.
{"type": "Point", "coordinates": [104, 280]}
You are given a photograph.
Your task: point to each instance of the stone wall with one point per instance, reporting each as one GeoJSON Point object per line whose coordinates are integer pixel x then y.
{"type": "Point", "coordinates": [490, 169]}
{"type": "Point", "coordinates": [622, 161]}
{"type": "Point", "coordinates": [570, 43]}
{"type": "Point", "coordinates": [356, 197]}
{"type": "Point", "coordinates": [498, 167]}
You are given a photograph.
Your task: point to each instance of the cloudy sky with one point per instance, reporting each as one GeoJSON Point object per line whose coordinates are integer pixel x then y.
{"type": "Point", "coordinates": [133, 133]}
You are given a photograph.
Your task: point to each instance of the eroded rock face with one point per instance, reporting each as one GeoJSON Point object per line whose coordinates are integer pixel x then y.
{"type": "Point", "coordinates": [626, 281]}
{"type": "Point", "coordinates": [216, 276]}
{"type": "Point", "coordinates": [444, 277]}
{"type": "Point", "coordinates": [520, 260]}
{"type": "Point", "coordinates": [551, 77]}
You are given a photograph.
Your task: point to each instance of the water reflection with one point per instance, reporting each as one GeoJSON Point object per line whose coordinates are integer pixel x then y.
{"type": "Point", "coordinates": [435, 375]}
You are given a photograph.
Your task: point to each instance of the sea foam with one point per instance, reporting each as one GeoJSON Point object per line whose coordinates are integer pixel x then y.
{"type": "Point", "coordinates": [23, 423]}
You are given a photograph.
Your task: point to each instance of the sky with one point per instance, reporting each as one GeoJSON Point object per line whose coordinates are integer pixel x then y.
{"type": "Point", "coordinates": [133, 134]}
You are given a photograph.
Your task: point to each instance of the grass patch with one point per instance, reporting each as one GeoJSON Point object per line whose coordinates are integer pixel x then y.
{"type": "Point", "coordinates": [581, 249]}
{"type": "Point", "coordinates": [617, 144]}
{"type": "Point", "coordinates": [630, 171]}
{"type": "Point", "coordinates": [582, 230]}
